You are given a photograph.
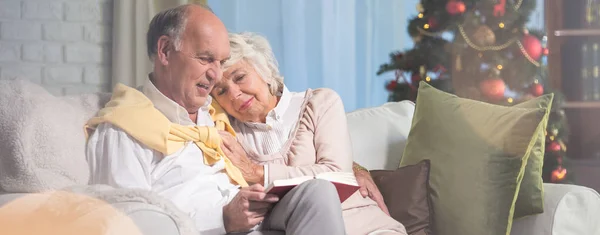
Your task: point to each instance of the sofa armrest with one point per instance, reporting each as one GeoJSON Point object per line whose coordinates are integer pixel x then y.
{"type": "Point", "coordinates": [50, 212]}
{"type": "Point", "coordinates": [568, 210]}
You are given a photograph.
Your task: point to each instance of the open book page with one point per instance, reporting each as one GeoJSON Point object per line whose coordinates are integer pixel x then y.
{"type": "Point", "coordinates": [344, 182]}
{"type": "Point", "coordinates": [339, 177]}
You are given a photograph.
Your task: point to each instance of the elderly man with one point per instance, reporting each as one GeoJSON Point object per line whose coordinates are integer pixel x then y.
{"type": "Point", "coordinates": [161, 138]}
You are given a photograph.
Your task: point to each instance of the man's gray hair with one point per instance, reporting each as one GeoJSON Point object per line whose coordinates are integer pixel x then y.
{"type": "Point", "coordinates": [170, 22]}
{"type": "Point", "coordinates": [255, 50]}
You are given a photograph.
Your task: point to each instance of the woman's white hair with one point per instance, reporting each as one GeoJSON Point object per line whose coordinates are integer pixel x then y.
{"type": "Point", "coordinates": [255, 50]}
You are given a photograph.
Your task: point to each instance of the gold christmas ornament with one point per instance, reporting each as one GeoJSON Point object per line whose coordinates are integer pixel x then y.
{"type": "Point", "coordinates": [484, 36]}
{"type": "Point", "coordinates": [420, 7]}
{"type": "Point", "coordinates": [417, 38]}
{"type": "Point", "coordinates": [458, 63]}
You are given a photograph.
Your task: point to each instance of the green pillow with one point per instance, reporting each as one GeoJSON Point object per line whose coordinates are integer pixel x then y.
{"type": "Point", "coordinates": [530, 200]}
{"type": "Point", "coordinates": [478, 153]}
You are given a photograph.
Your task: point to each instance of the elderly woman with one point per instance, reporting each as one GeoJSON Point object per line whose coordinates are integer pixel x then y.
{"type": "Point", "coordinates": [282, 134]}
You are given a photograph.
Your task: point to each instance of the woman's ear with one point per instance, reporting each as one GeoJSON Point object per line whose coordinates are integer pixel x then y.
{"type": "Point", "coordinates": [163, 48]}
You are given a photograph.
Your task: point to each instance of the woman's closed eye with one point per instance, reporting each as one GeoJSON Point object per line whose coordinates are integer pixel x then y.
{"type": "Point", "coordinates": [221, 91]}
{"type": "Point", "coordinates": [239, 78]}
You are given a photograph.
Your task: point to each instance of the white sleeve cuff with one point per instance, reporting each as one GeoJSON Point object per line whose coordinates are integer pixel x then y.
{"type": "Point", "coordinates": [266, 175]}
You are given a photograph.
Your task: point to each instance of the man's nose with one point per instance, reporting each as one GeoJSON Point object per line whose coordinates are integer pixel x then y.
{"type": "Point", "coordinates": [214, 73]}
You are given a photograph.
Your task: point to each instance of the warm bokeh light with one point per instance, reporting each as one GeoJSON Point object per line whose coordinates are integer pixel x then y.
{"type": "Point", "coordinates": [62, 212]}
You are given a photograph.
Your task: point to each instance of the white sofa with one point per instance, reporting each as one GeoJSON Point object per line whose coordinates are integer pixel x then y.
{"type": "Point", "coordinates": [56, 123]}
{"type": "Point", "coordinates": [379, 134]}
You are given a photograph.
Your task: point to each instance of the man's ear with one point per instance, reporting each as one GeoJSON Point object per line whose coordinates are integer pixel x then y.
{"type": "Point", "coordinates": [163, 48]}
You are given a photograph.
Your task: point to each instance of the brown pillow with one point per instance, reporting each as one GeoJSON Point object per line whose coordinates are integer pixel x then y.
{"type": "Point", "coordinates": [406, 194]}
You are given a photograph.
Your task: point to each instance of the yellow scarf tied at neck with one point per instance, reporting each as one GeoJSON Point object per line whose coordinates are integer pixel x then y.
{"type": "Point", "coordinates": [133, 112]}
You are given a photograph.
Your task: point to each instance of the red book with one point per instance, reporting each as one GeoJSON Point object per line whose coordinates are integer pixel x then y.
{"type": "Point", "coordinates": [344, 182]}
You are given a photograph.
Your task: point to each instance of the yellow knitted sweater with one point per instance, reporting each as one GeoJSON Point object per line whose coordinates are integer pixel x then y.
{"type": "Point", "coordinates": [133, 112]}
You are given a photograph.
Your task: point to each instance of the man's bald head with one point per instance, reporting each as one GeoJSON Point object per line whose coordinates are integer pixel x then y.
{"type": "Point", "coordinates": [188, 46]}
{"type": "Point", "coordinates": [172, 23]}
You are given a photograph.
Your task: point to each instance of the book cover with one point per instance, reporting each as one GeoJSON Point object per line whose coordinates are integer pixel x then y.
{"type": "Point", "coordinates": [586, 73]}
{"type": "Point", "coordinates": [344, 182]}
{"type": "Point", "coordinates": [595, 71]}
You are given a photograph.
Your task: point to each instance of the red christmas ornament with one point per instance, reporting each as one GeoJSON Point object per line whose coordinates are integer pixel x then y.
{"type": "Point", "coordinates": [546, 51]}
{"type": "Point", "coordinates": [439, 68]}
{"type": "Point", "coordinates": [532, 46]}
{"type": "Point", "coordinates": [432, 22]}
{"type": "Point", "coordinates": [558, 174]}
{"type": "Point", "coordinates": [391, 85]}
{"type": "Point", "coordinates": [493, 88]}
{"type": "Point", "coordinates": [415, 79]}
{"type": "Point", "coordinates": [500, 8]}
{"type": "Point", "coordinates": [455, 7]}
{"type": "Point", "coordinates": [537, 89]}
{"type": "Point", "coordinates": [554, 146]}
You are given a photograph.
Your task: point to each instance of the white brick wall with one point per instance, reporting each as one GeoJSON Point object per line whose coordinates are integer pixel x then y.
{"type": "Point", "coordinates": [62, 44]}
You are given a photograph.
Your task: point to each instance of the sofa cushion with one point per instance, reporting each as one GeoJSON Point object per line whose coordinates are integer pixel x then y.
{"type": "Point", "coordinates": [478, 153]}
{"type": "Point", "coordinates": [379, 134]}
{"type": "Point", "coordinates": [42, 138]}
{"type": "Point", "coordinates": [531, 193]}
{"type": "Point", "coordinates": [406, 194]}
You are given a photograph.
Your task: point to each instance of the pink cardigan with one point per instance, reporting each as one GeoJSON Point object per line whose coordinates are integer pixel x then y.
{"type": "Point", "coordinates": [320, 142]}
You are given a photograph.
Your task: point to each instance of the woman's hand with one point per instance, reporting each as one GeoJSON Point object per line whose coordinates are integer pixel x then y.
{"type": "Point", "coordinates": [368, 186]}
{"type": "Point", "coordinates": [253, 173]}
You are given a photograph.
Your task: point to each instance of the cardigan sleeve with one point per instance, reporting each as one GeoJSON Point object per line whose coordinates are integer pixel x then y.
{"type": "Point", "coordinates": [333, 148]}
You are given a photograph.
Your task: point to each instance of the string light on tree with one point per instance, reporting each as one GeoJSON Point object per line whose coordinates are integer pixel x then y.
{"type": "Point", "coordinates": [559, 174]}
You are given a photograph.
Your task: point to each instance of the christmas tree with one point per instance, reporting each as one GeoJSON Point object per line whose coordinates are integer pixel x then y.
{"type": "Point", "coordinates": [482, 50]}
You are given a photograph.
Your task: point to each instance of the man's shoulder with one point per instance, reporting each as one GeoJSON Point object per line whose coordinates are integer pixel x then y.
{"type": "Point", "coordinates": [106, 130]}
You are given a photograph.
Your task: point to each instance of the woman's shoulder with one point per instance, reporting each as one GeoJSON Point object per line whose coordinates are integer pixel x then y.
{"type": "Point", "coordinates": [323, 95]}
{"type": "Point", "coordinates": [323, 98]}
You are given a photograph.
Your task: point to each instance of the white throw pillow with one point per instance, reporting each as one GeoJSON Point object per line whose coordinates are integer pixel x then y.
{"type": "Point", "coordinates": [42, 142]}
{"type": "Point", "coordinates": [379, 134]}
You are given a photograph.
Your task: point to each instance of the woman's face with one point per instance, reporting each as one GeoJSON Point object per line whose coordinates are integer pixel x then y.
{"type": "Point", "coordinates": [243, 94]}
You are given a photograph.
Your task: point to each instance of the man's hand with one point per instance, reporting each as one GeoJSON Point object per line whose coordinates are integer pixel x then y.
{"type": "Point", "coordinates": [247, 209]}
{"type": "Point", "coordinates": [253, 173]}
{"type": "Point", "coordinates": [368, 186]}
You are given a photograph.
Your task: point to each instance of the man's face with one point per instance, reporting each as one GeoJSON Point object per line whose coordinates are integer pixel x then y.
{"type": "Point", "coordinates": [196, 67]}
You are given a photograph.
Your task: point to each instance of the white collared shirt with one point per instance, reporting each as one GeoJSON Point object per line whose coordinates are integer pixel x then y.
{"type": "Point", "coordinates": [269, 137]}
{"type": "Point", "coordinates": [201, 191]}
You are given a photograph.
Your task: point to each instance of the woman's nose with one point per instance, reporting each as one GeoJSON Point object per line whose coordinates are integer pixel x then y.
{"type": "Point", "coordinates": [234, 92]}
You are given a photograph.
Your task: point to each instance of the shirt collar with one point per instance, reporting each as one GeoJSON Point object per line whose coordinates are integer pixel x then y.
{"type": "Point", "coordinates": [173, 111]}
{"type": "Point", "coordinates": [282, 105]}
{"type": "Point", "coordinates": [276, 114]}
